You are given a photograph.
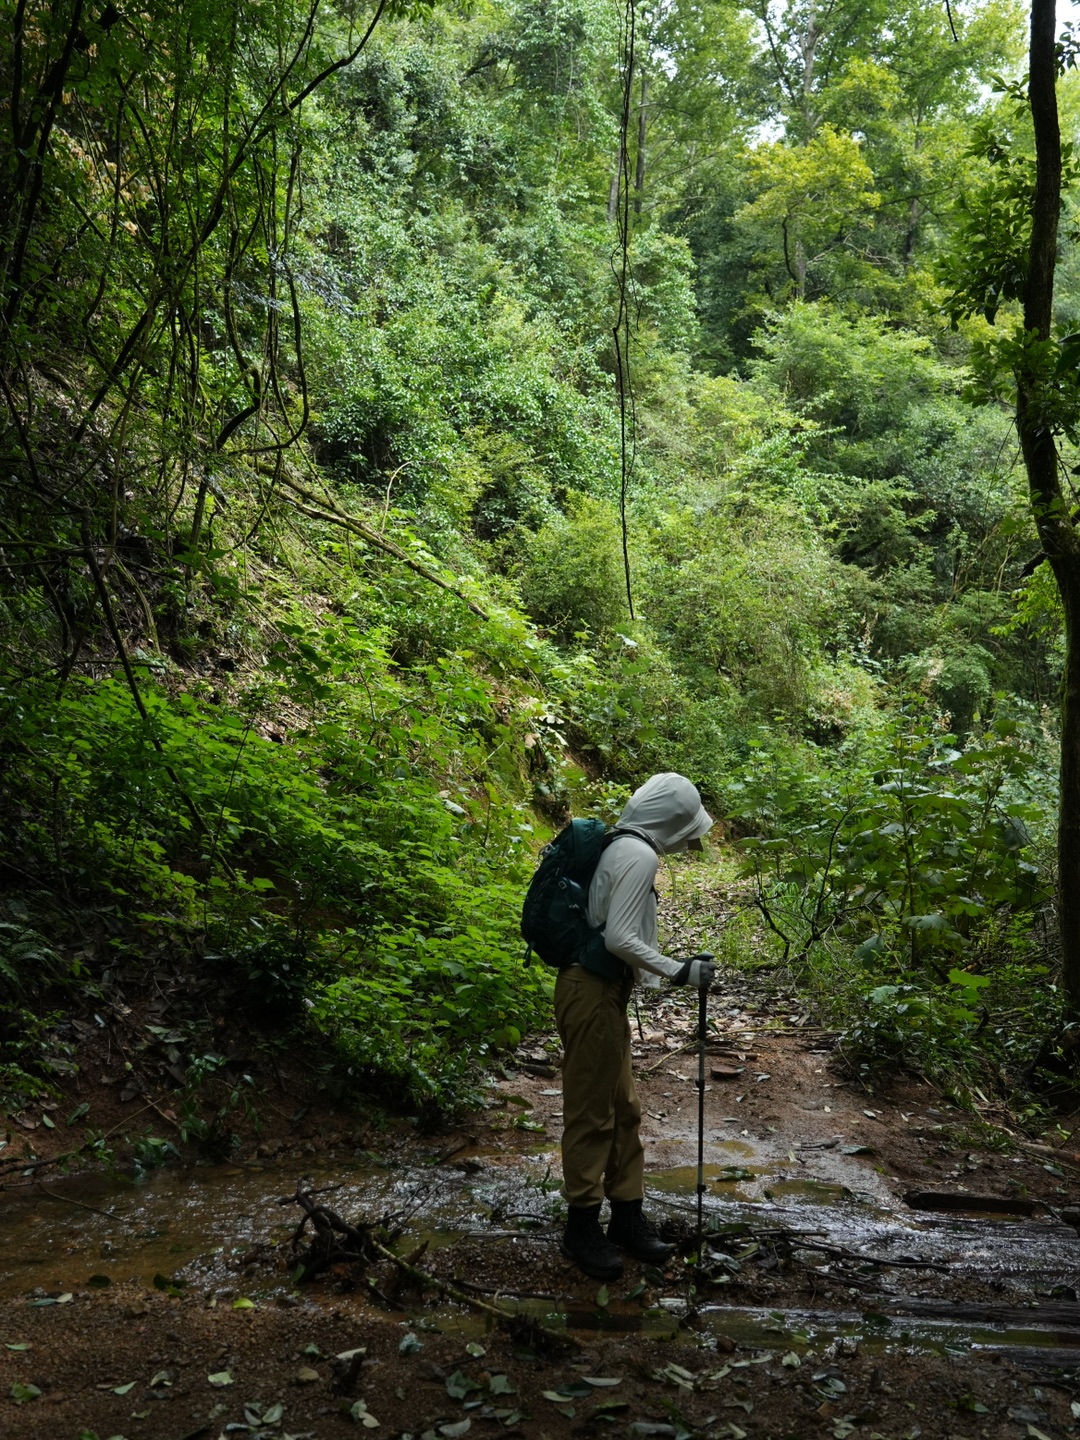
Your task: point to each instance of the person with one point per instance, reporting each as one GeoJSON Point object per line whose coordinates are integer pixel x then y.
{"type": "Point", "coordinates": [602, 1153]}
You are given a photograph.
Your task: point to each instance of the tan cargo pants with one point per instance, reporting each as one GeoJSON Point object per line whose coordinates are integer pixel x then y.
{"type": "Point", "coordinates": [602, 1152]}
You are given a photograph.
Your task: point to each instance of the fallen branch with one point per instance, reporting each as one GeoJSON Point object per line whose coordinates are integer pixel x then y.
{"type": "Point", "coordinates": [547, 1233]}
{"type": "Point", "coordinates": [904, 1263]}
{"type": "Point", "coordinates": [667, 1055]}
{"type": "Point", "coordinates": [336, 1241]}
{"type": "Point", "coordinates": [444, 1287]}
{"type": "Point", "coordinates": [512, 1294]}
{"type": "Point", "coordinates": [25, 1167]}
{"type": "Point", "coordinates": [717, 1049]}
{"type": "Point", "coordinates": [1068, 1158]}
{"type": "Point", "coordinates": [318, 507]}
{"type": "Point", "coordinates": [82, 1205]}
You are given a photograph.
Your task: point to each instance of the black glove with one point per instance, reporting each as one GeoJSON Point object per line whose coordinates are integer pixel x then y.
{"type": "Point", "coordinates": [698, 971]}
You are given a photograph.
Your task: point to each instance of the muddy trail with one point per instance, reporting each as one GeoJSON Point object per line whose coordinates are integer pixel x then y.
{"type": "Point", "coordinates": [827, 1303]}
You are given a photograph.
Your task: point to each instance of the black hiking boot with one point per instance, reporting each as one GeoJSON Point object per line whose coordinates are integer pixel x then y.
{"type": "Point", "coordinates": [583, 1242]}
{"type": "Point", "coordinates": [636, 1234]}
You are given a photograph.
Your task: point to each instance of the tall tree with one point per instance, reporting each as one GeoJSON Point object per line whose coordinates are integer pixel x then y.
{"type": "Point", "coordinates": [695, 97]}
{"type": "Point", "coordinates": [1038, 368]}
{"type": "Point", "coordinates": [1003, 265]}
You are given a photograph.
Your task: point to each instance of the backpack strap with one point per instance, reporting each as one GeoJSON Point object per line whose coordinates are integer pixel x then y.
{"type": "Point", "coordinates": [621, 830]}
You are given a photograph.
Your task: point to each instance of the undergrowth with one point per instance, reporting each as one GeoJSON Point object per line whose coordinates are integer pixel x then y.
{"type": "Point", "coordinates": [324, 597]}
{"type": "Point", "coordinates": [903, 885]}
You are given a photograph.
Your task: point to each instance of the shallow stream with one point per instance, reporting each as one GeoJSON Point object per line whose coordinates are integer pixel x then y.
{"type": "Point", "coordinates": [204, 1228]}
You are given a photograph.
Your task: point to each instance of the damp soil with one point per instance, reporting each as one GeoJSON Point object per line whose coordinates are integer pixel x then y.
{"type": "Point", "coordinates": [876, 1265]}
{"type": "Point", "coordinates": [164, 1306]}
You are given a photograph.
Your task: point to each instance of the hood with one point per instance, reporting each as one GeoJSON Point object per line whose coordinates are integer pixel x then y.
{"type": "Point", "coordinates": [668, 809]}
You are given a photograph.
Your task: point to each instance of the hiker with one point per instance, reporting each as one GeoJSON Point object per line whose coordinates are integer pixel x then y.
{"type": "Point", "coordinates": [602, 1153]}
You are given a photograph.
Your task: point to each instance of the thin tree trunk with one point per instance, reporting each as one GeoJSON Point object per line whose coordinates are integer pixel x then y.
{"type": "Point", "coordinates": [809, 58]}
{"type": "Point", "coordinates": [639, 169]}
{"type": "Point", "coordinates": [613, 188]}
{"type": "Point", "coordinates": [1057, 532]}
{"type": "Point", "coordinates": [620, 159]}
{"type": "Point", "coordinates": [1069, 804]}
{"type": "Point", "coordinates": [914, 211]}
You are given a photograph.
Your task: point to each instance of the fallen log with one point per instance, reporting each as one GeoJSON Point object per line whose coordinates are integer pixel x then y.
{"type": "Point", "coordinates": [954, 1201]}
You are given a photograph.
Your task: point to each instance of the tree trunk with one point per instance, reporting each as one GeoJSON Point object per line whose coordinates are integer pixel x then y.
{"type": "Point", "coordinates": [620, 158]}
{"type": "Point", "coordinates": [1049, 506]}
{"type": "Point", "coordinates": [639, 169]}
{"type": "Point", "coordinates": [613, 188]}
{"type": "Point", "coordinates": [808, 47]}
{"type": "Point", "coordinates": [1069, 805]}
{"type": "Point", "coordinates": [914, 211]}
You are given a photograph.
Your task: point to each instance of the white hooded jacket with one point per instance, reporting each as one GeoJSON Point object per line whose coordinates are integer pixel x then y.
{"type": "Point", "coordinates": [665, 814]}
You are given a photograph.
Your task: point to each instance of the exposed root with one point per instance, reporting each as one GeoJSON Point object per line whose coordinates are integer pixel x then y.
{"type": "Point", "coordinates": [336, 1242]}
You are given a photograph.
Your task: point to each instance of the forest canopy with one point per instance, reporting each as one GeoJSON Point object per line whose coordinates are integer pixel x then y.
{"type": "Point", "coordinates": [422, 422]}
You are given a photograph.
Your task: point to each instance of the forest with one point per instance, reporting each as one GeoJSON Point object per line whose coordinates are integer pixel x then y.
{"type": "Point", "coordinates": [316, 617]}
{"type": "Point", "coordinates": [421, 422]}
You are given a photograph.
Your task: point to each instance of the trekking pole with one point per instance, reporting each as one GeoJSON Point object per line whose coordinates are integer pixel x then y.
{"type": "Point", "coordinates": [703, 1005]}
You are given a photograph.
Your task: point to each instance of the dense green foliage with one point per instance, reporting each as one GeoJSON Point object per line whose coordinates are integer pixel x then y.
{"type": "Point", "coordinates": [313, 610]}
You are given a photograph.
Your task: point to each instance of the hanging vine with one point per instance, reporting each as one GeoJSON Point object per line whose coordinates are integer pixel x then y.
{"type": "Point", "coordinates": [623, 326]}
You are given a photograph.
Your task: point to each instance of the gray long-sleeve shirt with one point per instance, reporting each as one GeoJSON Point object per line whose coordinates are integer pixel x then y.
{"type": "Point", "coordinates": [665, 814]}
{"type": "Point", "coordinates": [623, 900]}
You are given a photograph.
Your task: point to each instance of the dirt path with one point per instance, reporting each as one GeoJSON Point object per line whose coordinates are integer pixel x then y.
{"type": "Point", "coordinates": [833, 1308]}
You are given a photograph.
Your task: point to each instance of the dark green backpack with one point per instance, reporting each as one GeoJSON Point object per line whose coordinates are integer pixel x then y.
{"type": "Point", "coordinates": [554, 917]}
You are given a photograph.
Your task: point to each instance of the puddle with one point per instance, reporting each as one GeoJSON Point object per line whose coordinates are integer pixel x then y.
{"type": "Point", "coordinates": [759, 1186]}
{"type": "Point", "coordinates": [875, 1332]}
{"type": "Point", "coordinates": [618, 1318]}
{"type": "Point", "coordinates": [815, 1192]}
{"type": "Point", "coordinates": [198, 1222]}
{"type": "Point", "coordinates": [744, 1178]}
{"type": "Point", "coordinates": [808, 1333]}
{"type": "Point", "coordinates": [732, 1176]}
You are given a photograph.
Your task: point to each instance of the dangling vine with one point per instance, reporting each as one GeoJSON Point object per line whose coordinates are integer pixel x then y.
{"type": "Point", "coordinates": [620, 262]}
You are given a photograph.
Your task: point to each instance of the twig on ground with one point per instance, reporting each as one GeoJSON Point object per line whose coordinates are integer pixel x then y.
{"type": "Point", "coordinates": [904, 1263]}
{"type": "Point", "coordinates": [512, 1294]}
{"type": "Point", "coordinates": [68, 1200]}
{"type": "Point", "coordinates": [25, 1166]}
{"type": "Point", "coordinates": [545, 1234]}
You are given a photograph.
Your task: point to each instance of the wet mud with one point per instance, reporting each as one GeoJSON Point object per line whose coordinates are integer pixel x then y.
{"type": "Point", "coordinates": [166, 1307]}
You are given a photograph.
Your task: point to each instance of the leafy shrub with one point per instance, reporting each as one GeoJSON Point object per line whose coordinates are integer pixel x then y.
{"type": "Point", "coordinates": [900, 880]}
{"type": "Point", "coordinates": [906, 852]}
{"type": "Point", "coordinates": [370, 865]}
{"type": "Point", "coordinates": [417, 1011]}
{"type": "Point", "coordinates": [745, 597]}
{"type": "Point", "coordinates": [33, 976]}
{"type": "Point", "coordinates": [573, 580]}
